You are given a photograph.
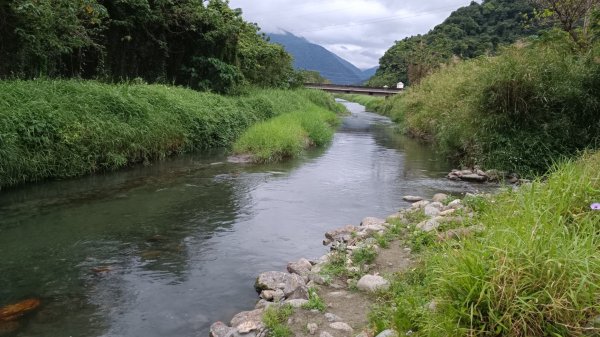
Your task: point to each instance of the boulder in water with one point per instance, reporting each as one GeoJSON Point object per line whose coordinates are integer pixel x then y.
{"type": "Point", "coordinates": [14, 311]}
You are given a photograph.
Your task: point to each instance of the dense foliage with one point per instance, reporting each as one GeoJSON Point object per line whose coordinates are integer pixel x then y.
{"type": "Point", "coordinates": [471, 31]}
{"type": "Point", "coordinates": [57, 129]}
{"type": "Point", "coordinates": [196, 43]}
{"type": "Point", "coordinates": [533, 104]}
{"type": "Point", "coordinates": [533, 271]}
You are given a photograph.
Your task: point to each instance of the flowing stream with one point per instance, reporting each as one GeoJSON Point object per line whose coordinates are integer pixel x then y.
{"type": "Point", "coordinates": [167, 249]}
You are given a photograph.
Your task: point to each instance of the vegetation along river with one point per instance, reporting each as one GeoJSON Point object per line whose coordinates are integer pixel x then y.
{"type": "Point", "coordinates": [166, 249]}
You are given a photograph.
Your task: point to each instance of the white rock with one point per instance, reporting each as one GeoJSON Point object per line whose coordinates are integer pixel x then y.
{"type": "Point", "coordinates": [370, 221]}
{"type": "Point", "coordinates": [433, 209]}
{"type": "Point", "coordinates": [312, 328]}
{"type": "Point", "coordinates": [455, 203]}
{"type": "Point", "coordinates": [411, 198]}
{"type": "Point", "coordinates": [447, 212]}
{"type": "Point", "coordinates": [372, 283]}
{"type": "Point", "coordinates": [428, 225]}
{"type": "Point", "coordinates": [297, 303]}
{"type": "Point", "coordinates": [325, 334]}
{"type": "Point", "coordinates": [332, 318]}
{"type": "Point", "coordinates": [420, 204]}
{"type": "Point", "coordinates": [388, 333]}
{"type": "Point", "coordinates": [341, 326]}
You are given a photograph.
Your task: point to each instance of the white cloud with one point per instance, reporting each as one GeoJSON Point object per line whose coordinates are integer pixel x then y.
{"type": "Point", "coordinates": [357, 30]}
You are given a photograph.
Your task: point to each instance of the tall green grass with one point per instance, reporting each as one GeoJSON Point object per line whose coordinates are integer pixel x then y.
{"type": "Point", "coordinates": [535, 103]}
{"type": "Point", "coordinates": [534, 272]}
{"type": "Point", "coordinates": [286, 136]}
{"type": "Point", "coordinates": [381, 105]}
{"type": "Point", "coordinates": [66, 128]}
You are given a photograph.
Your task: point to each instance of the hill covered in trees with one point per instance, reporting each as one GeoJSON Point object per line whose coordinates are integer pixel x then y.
{"type": "Point", "coordinates": [195, 43]}
{"type": "Point", "coordinates": [470, 31]}
{"type": "Point", "coordinates": [313, 57]}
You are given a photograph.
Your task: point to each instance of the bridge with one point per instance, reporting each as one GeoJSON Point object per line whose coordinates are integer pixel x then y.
{"type": "Point", "coordinates": [351, 89]}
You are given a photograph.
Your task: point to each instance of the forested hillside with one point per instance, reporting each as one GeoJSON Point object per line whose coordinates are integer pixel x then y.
{"type": "Point", "coordinates": [470, 31]}
{"type": "Point", "coordinates": [200, 44]}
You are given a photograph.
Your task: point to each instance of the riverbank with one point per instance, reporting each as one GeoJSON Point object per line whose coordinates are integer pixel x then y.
{"type": "Point", "coordinates": [523, 262]}
{"type": "Point", "coordinates": [521, 111]}
{"type": "Point", "coordinates": [67, 128]}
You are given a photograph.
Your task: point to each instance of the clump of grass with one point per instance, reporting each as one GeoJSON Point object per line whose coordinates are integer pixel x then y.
{"type": "Point", "coordinates": [314, 301]}
{"type": "Point", "coordinates": [534, 272]}
{"type": "Point", "coordinates": [287, 135]}
{"type": "Point", "coordinates": [275, 319]}
{"type": "Point", "coordinates": [364, 255]}
{"type": "Point", "coordinates": [67, 128]}
{"type": "Point", "coordinates": [335, 266]}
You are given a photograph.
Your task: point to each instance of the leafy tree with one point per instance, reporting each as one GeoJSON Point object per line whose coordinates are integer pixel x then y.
{"type": "Point", "coordinates": [574, 16]}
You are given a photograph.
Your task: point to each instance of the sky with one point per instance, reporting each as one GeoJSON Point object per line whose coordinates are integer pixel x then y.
{"type": "Point", "coordinates": [360, 31]}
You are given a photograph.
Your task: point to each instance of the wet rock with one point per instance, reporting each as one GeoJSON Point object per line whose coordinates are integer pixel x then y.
{"type": "Point", "coordinates": [342, 234]}
{"type": "Point", "coordinates": [439, 197]}
{"type": "Point", "coordinates": [372, 283]}
{"type": "Point", "coordinates": [220, 329]}
{"type": "Point", "coordinates": [325, 334]}
{"type": "Point", "coordinates": [411, 198]}
{"type": "Point", "coordinates": [14, 311]}
{"type": "Point", "coordinates": [332, 318]}
{"type": "Point", "coordinates": [241, 159]}
{"type": "Point", "coordinates": [428, 225]}
{"type": "Point", "coordinates": [312, 328]}
{"type": "Point", "coordinates": [473, 177]}
{"type": "Point", "coordinates": [420, 204]}
{"type": "Point", "coordinates": [388, 333]}
{"type": "Point", "coordinates": [341, 326]}
{"type": "Point", "coordinates": [297, 303]}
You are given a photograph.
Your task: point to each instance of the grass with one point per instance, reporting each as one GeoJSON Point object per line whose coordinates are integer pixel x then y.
{"type": "Point", "coordinates": [314, 301]}
{"type": "Point", "coordinates": [364, 255]}
{"type": "Point", "coordinates": [286, 136]}
{"type": "Point", "coordinates": [67, 128]}
{"type": "Point", "coordinates": [275, 320]}
{"type": "Point", "coordinates": [535, 271]}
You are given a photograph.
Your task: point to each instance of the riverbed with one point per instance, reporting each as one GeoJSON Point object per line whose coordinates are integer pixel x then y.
{"type": "Point", "coordinates": [168, 248]}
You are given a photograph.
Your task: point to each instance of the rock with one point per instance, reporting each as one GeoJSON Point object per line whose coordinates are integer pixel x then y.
{"type": "Point", "coordinates": [316, 278]}
{"type": "Point", "coordinates": [464, 172]}
{"type": "Point", "coordinates": [267, 294]}
{"type": "Point", "coordinates": [388, 333]}
{"type": "Point", "coordinates": [428, 225]}
{"type": "Point", "coordinates": [370, 229]}
{"type": "Point", "coordinates": [325, 334]}
{"type": "Point", "coordinates": [371, 221]}
{"type": "Point", "coordinates": [278, 296]}
{"type": "Point", "coordinates": [411, 198]}
{"type": "Point", "coordinates": [249, 326]}
{"type": "Point", "coordinates": [395, 216]}
{"type": "Point", "coordinates": [342, 234]}
{"type": "Point", "coordinates": [247, 316]}
{"type": "Point", "coordinates": [439, 197]}
{"type": "Point", "coordinates": [420, 204]}
{"type": "Point", "coordinates": [301, 267]}
{"type": "Point", "coordinates": [432, 306]}
{"type": "Point", "coordinates": [241, 159]}
{"type": "Point", "coordinates": [455, 203]}
{"type": "Point", "coordinates": [295, 287]}
{"type": "Point", "coordinates": [312, 328]}
{"type": "Point", "coordinates": [473, 177]}
{"type": "Point", "coordinates": [433, 209]}
{"type": "Point", "coordinates": [14, 311]}
{"type": "Point", "coordinates": [219, 329]}
{"type": "Point", "coordinates": [332, 318]}
{"type": "Point", "coordinates": [447, 212]}
{"type": "Point", "coordinates": [372, 283]}
{"type": "Point", "coordinates": [341, 326]}
{"type": "Point", "coordinates": [460, 233]}
{"type": "Point", "coordinates": [363, 334]}
{"type": "Point", "coordinates": [263, 304]}
{"type": "Point", "coordinates": [271, 280]}
{"type": "Point", "coordinates": [297, 303]}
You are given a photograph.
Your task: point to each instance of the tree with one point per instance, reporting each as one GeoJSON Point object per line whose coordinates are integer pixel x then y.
{"type": "Point", "coordinates": [574, 16]}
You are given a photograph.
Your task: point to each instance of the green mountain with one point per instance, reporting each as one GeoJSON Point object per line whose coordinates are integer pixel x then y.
{"type": "Point", "coordinates": [310, 56]}
{"type": "Point", "coordinates": [470, 31]}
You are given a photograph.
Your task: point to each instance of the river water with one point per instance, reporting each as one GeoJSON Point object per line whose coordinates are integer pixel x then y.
{"type": "Point", "coordinates": [167, 249]}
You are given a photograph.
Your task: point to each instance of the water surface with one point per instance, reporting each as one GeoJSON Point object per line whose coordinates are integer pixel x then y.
{"type": "Point", "coordinates": [166, 249]}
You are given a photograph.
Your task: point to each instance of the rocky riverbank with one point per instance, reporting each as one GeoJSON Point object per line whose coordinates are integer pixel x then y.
{"type": "Point", "coordinates": [331, 296]}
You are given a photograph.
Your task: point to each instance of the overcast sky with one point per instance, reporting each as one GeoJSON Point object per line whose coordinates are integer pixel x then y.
{"type": "Point", "coordinates": [358, 30]}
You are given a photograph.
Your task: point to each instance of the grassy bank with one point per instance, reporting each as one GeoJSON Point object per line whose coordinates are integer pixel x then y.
{"type": "Point", "coordinates": [380, 105]}
{"type": "Point", "coordinates": [286, 136]}
{"type": "Point", "coordinates": [535, 103]}
{"type": "Point", "coordinates": [59, 129]}
{"type": "Point", "coordinates": [534, 271]}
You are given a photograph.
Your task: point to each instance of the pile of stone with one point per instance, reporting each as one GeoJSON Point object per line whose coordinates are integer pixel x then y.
{"type": "Point", "coordinates": [479, 176]}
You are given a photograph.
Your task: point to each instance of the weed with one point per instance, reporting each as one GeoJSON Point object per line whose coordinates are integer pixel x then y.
{"type": "Point", "coordinates": [275, 319]}
{"type": "Point", "coordinates": [364, 255]}
{"type": "Point", "coordinates": [314, 301]}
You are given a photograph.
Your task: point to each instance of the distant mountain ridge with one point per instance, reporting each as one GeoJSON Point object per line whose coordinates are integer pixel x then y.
{"type": "Point", "coordinates": [310, 56]}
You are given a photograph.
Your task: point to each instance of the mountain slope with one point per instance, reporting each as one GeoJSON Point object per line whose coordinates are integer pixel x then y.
{"type": "Point", "coordinates": [470, 31]}
{"type": "Point", "coordinates": [310, 56]}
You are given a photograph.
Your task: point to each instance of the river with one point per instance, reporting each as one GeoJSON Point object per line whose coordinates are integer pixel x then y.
{"type": "Point", "coordinates": [167, 249]}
